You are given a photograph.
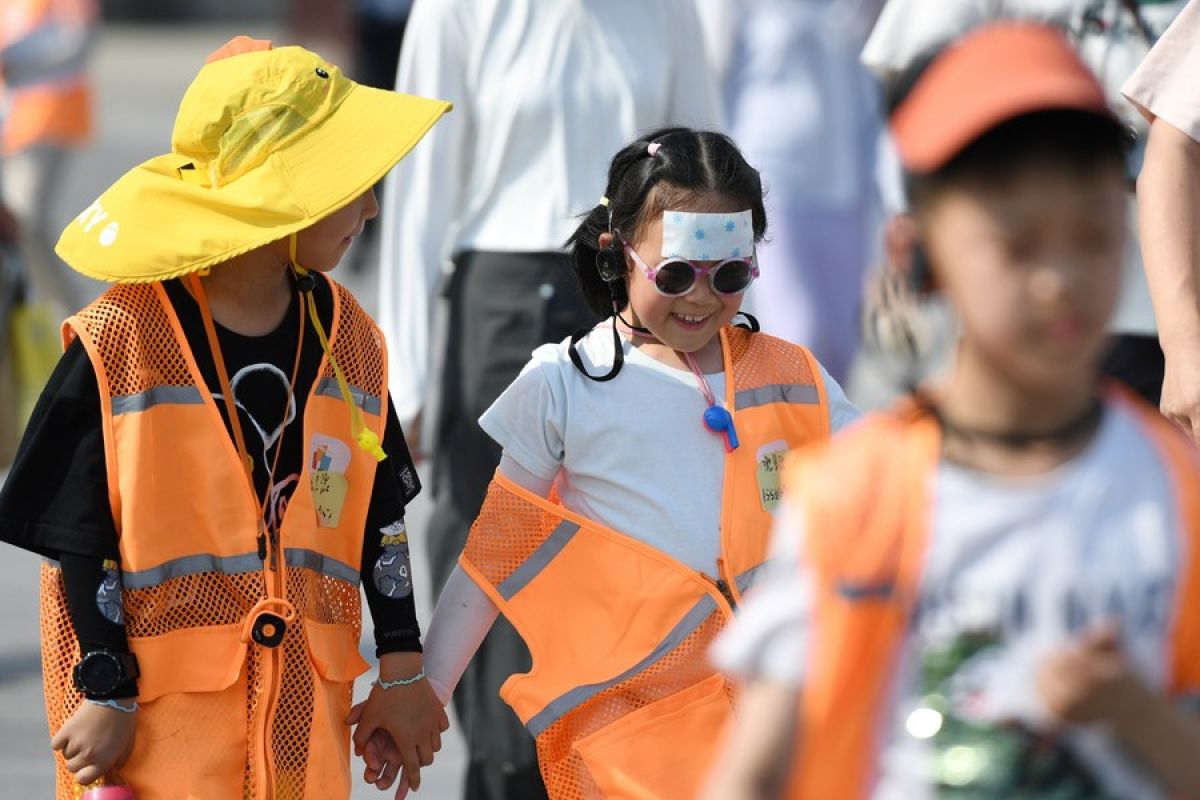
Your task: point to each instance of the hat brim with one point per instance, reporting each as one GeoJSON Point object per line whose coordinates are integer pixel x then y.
{"type": "Point", "coordinates": [996, 73]}
{"type": "Point", "coordinates": [154, 224]}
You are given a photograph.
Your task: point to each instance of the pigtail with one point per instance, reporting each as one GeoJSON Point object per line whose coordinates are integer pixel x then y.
{"type": "Point", "coordinates": [600, 273]}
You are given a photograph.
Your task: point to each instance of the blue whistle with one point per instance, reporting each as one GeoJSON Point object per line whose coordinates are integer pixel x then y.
{"type": "Point", "coordinates": [719, 420]}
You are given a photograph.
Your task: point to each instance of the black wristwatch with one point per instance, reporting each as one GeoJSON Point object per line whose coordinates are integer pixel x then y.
{"type": "Point", "coordinates": [100, 672]}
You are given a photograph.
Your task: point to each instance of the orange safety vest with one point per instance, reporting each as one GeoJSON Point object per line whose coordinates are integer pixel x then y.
{"type": "Point", "coordinates": [223, 716]}
{"type": "Point", "coordinates": [867, 512]}
{"type": "Point", "coordinates": [621, 697]}
{"type": "Point", "coordinates": [54, 106]}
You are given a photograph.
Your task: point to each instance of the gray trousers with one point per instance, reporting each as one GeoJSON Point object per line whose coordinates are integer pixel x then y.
{"type": "Point", "coordinates": [501, 307]}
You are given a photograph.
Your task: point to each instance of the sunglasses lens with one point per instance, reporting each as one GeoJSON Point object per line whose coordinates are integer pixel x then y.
{"type": "Point", "coordinates": [675, 277]}
{"type": "Point", "coordinates": [732, 276]}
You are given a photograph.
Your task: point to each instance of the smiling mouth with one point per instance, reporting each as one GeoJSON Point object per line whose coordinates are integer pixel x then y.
{"type": "Point", "coordinates": [691, 320]}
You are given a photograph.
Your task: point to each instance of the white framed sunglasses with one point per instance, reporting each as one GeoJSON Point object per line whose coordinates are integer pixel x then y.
{"type": "Point", "coordinates": [675, 277]}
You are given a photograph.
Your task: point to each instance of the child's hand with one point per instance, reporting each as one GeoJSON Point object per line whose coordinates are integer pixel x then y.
{"type": "Point", "coordinates": [1090, 680]}
{"type": "Point", "coordinates": [94, 740]}
{"type": "Point", "coordinates": [382, 758]}
{"type": "Point", "coordinates": [398, 728]}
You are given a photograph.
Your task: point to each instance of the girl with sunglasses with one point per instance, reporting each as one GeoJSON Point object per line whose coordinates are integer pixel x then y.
{"type": "Point", "coordinates": [639, 477]}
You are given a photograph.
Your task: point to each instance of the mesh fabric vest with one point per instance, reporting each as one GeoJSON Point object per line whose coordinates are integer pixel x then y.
{"type": "Point", "coordinates": [621, 698]}
{"type": "Point", "coordinates": [222, 715]}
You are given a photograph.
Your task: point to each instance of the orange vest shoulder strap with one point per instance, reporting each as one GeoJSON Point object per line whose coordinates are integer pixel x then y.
{"type": "Point", "coordinates": [117, 309]}
{"type": "Point", "coordinates": [865, 508]}
{"type": "Point", "coordinates": [768, 359]}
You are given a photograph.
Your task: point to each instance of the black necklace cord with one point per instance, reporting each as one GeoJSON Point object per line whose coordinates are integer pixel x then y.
{"type": "Point", "coordinates": [1069, 432]}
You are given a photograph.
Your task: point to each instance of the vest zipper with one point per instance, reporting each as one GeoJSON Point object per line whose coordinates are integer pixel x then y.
{"type": "Point", "coordinates": [721, 586]}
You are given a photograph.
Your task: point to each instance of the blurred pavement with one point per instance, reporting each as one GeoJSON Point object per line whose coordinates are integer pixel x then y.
{"type": "Point", "coordinates": [141, 73]}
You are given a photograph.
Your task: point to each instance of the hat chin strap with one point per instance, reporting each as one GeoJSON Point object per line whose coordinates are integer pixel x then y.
{"type": "Point", "coordinates": [366, 438]}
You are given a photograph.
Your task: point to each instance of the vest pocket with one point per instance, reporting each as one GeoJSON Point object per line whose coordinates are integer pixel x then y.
{"type": "Point", "coordinates": [206, 659]}
{"type": "Point", "coordinates": [663, 750]}
{"type": "Point", "coordinates": [191, 736]}
{"type": "Point", "coordinates": [334, 651]}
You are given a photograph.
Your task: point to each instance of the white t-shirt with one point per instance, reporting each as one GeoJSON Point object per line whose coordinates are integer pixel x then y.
{"type": "Point", "coordinates": [632, 453]}
{"type": "Point", "coordinates": [1015, 568]}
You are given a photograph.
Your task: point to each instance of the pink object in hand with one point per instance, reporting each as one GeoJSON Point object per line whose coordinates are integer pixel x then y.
{"type": "Point", "coordinates": [108, 793]}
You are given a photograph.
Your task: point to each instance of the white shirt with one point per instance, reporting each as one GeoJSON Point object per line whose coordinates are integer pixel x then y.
{"type": "Point", "coordinates": [633, 452]}
{"type": "Point", "coordinates": [1026, 563]}
{"type": "Point", "coordinates": [545, 93]}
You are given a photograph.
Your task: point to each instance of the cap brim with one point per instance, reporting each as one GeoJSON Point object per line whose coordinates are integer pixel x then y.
{"type": "Point", "coordinates": [929, 139]}
{"type": "Point", "coordinates": [153, 225]}
{"type": "Point", "coordinates": [993, 74]}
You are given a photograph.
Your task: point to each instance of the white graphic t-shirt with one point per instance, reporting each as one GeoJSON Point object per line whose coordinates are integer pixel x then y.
{"type": "Point", "coordinates": [1015, 568]}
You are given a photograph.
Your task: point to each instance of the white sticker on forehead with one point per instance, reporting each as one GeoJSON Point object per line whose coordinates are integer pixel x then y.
{"type": "Point", "coordinates": [707, 237]}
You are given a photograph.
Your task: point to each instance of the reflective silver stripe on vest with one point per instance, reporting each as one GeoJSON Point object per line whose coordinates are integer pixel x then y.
{"type": "Point", "coordinates": [798, 393]}
{"type": "Point", "coordinates": [54, 52]}
{"type": "Point", "coordinates": [158, 396]}
{"type": "Point", "coordinates": [235, 565]}
{"type": "Point", "coordinates": [369, 403]}
{"type": "Point", "coordinates": [751, 576]}
{"type": "Point", "coordinates": [191, 565]}
{"type": "Point", "coordinates": [538, 560]}
{"type": "Point", "coordinates": [568, 702]}
{"type": "Point", "coordinates": [318, 562]}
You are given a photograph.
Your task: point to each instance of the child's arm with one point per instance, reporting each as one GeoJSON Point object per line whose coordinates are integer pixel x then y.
{"type": "Point", "coordinates": [462, 618]}
{"type": "Point", "coordinates": [1168, 210]}
{"type": "Point", "coordinates": [758, 746]}
{"type": "Point", "coordinates": [464, 613]}
{"type": "Point", "coordinates": [399, 730]}
{"type": "Point", "coordinates": [1090, 680]}
{"type": "Point", "coordinates": [96, 738]}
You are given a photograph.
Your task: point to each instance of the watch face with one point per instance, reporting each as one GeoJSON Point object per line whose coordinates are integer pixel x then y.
{"type": "Point", "coordinates": [100, 673]}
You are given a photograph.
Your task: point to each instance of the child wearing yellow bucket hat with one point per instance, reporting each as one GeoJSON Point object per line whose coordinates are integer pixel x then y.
{"type": "Point", "coordinates": [215, 465]}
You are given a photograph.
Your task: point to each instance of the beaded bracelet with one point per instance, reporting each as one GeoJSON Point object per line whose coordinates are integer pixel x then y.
{"type": "Point", "coordinates": [382, 684]}
{"type": "Point", "coordinates": [114, 704]}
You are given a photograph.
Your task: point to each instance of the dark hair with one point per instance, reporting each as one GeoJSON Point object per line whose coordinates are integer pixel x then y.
{"type": "Point", "coordinates": [1077, 141]}
{"type": "Point", "coordinates": [687, 164]}
{"type": "Point", "coordinates": [1071, 139]}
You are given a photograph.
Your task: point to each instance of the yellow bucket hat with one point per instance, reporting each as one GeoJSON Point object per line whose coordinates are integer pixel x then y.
{"type": "Point", "coordinates": [267, 142]}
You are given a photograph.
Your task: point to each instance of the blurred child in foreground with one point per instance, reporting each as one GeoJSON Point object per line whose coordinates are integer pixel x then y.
{"type": "Point", "coordinates": [991, 590]}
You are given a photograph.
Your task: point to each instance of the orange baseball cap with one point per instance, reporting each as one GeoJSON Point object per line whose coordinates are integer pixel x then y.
{"type": "Point", "coordinates": [989, 76]}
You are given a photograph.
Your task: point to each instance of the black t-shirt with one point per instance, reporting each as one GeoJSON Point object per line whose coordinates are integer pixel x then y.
{"type": "Point", "coordinates": [55, 501]}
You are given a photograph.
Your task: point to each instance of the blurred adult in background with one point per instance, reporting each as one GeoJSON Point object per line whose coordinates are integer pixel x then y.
{"type": "Point", "coordinates": [1112, 37]}
{"type": "Point", "coordinates": [45, 114]}
{"type": "Point", "coordinates": [378, 33]}
{"type": "Point", "coordinates": [1164, 88]}
{"type": "Point", "coordinates": [544, 92]}
{"type": "Point", "coordinates": [806, 114]}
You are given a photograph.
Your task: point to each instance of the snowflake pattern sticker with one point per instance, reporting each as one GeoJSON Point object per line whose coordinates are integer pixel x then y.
{"type": "Point", "coordinates": [707, 237]}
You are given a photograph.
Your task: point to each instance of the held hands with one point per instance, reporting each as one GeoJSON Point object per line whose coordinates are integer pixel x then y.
{"type": "Point", "coordinates": [95, 740]}
{"type": "Point", "coordinates": [398, 728]}
{"type": "Point", "coordinates": [1090, 680]}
